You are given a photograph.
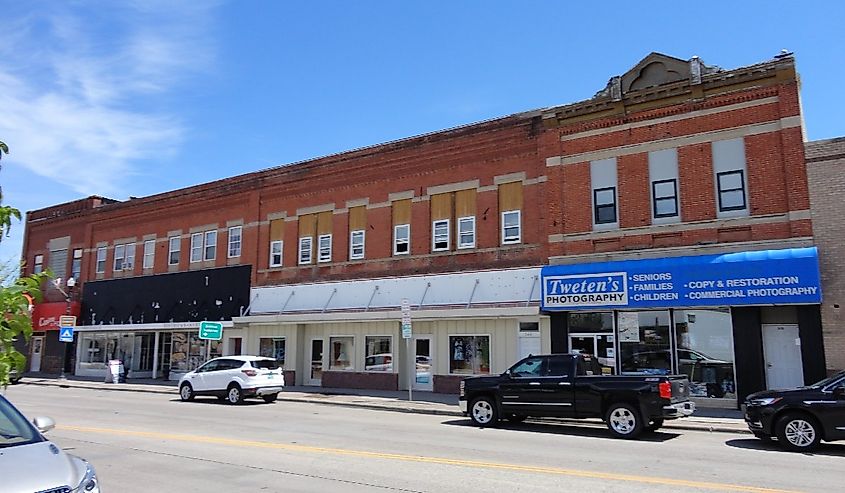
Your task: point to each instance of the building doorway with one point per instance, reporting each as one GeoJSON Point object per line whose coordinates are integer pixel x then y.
{"type": "Point", "coordinates": [35, 354]}
{"type": "Point", "coordinates": [782, 354]}
{"type": "Point", "coordinates": [423, 361]}
{"type": "Point", "coordinates": [315, 370]}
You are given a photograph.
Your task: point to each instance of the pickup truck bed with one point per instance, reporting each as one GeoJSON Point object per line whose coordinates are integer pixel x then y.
{"type": "Point", "coordinates": [572, 386]}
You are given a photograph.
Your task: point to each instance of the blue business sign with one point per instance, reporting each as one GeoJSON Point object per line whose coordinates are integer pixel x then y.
{"type": "Point", "coordinates": [766, 277]}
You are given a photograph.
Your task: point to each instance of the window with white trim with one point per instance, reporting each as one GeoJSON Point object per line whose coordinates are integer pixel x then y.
{"type": "Point", "coordinates": [305, 247]}
{"type": "Point", "coordinates": [38, 265]}
{"type": "Point", "coordinates": [210, 245]}
{"type": "Point", "coordinates": [76, 264]}
{"type": "Point", "coordinates": [196, 247]}
{"type": "Point", "coordinates": [276, 253]}
{"type": "Point", "coordinates": [440, 235]}
{"type": "Point", "coordinates": [356, 245]}
{"type": "Point", "coordinates": [101, 260]}
{"type": "Point", "coordinates": [174, 250]}
{"type": "Point", "coordinates": [401, 239]}
{"type": "Point", "coordinates": [235, 241]}
{"type": "Point", "coordinates": [324, 244]}
{"type": "Point", "coordinates": [129, 262]}
{"type": "Point", "coordinates": [466, 232]}
{"type": "Point", "coordinates": [149, 254]}
{"type": "Point", "coordinates": [119, 256]}
{"type": "Point", "coordinates": [511, 227]}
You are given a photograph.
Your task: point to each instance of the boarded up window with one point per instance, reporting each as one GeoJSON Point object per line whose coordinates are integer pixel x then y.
{"type": "Point", "coordinates": [465, 203]}
{"type": "Point", "coordinates": [324, 223]}
{"type": "Point", "coordinates": [441, 206]}
{"type": "Point", "coordinates": [401, 211]}
{"type": "Point", "coordinates": [357, 218]}
{"type": "Point", "coordinates": [510, 196]}
{"type": "Point", "coordinates": [277, 229]}
{"type": "Point", "coordinates": [58, 262]}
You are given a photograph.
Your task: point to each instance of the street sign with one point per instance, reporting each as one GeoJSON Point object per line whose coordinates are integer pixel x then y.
{"type": "Point", "coordinates": [66, 334]}
{"type": "Point", "coordinates": [211, 330]}
{"type": "Point", "coordinates": [406, 319]}
{"type": "Point", "coordinates": [67, 321]}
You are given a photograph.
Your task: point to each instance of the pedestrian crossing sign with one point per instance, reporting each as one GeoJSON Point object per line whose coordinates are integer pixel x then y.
{"type": "Point", "coordinates": [66, 334]}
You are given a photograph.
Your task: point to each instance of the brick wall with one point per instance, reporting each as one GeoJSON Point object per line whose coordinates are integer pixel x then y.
{"type": "Point", "coordinates": [826, 174]}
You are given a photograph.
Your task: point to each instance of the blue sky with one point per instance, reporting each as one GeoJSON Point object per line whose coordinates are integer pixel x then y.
{"type": "Point", "coordinates": [139, 97]}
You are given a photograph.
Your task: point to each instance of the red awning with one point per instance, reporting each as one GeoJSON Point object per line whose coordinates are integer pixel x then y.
{"type": "Point", "coordinates": [45, 316]}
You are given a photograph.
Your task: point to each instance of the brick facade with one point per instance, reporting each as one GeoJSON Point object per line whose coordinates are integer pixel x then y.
{"type": "Point", "coordinates": [826, 174]}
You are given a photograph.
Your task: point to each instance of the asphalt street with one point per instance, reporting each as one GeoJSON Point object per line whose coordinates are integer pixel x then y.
{"type": "Point", "coordinates": [143, 442]}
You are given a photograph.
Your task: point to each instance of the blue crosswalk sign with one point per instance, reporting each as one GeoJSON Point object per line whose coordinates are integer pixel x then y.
{"type": "Point", "coordinates": [66, 334]}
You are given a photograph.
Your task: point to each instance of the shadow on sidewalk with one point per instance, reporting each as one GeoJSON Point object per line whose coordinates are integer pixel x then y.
{"type": "Point", "coordinates": [588, 429]}
{"type": "Point", "coordinates": [830, 449]}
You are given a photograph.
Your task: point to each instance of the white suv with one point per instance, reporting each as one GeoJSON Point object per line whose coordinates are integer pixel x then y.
{"type": "Point", "coordinates": [232, 378]}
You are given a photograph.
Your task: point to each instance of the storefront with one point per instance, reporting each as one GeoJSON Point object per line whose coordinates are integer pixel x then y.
{"type": "Point", "coordinates": [348, 334]}
{"type": "Point", "coordinates": [45, 353]}
{"type": "Point", "coordinates": [733, 323]}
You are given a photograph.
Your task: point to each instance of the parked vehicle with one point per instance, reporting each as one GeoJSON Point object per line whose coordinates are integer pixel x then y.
{"type": "Point", "coordinates": [29, 462]}
{"type": "Point", "coordinates": [799, 418]}
{"type": "Point", "coordinates": [709, 377]}
{"type": "Point", "coordinates": [572, 386]}
{"type": "Point", "coordinates": [234, 378]}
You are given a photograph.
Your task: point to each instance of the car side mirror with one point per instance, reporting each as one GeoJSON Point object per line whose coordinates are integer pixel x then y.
{"type": "Point", "coordinates": [507, 374]}
{"type": "Point", "coordinates": [44, 424]}
{"type": "Point", "coordinates": [839, 392]}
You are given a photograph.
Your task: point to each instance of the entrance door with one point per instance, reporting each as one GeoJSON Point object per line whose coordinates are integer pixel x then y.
{"type": "Point", "coordinates": [315, 371]}
{"type": "Point", "coordinates": [35, 357]}
{"type": "Point", "coordinates": [599, 345]}
{"type": "Point", "coordinates": [424, 364]}
{"type": "Point", "coordinates": [782, 352]}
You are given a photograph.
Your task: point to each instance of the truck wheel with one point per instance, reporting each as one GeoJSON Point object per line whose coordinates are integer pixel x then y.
{"type": "Point", "coordinates": [624, 421]}
{"type": "Point", "coordinates": [798, 432]}
{"type": "Point", "coordinates": [654, 425]}
{"type": "Point", "coordinates": [483, 412]}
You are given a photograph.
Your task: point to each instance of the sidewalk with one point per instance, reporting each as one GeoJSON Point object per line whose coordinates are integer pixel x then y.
{"type": "Point", "coordinates": [705, 419]}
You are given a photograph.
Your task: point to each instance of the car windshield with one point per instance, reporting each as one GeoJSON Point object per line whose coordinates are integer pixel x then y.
{"type": "Point", "coordinates": [14, 428]}
{"type": "Point", "coordinates": [266, 364]}
{"type": "Point", "coordinates": [829, 380]}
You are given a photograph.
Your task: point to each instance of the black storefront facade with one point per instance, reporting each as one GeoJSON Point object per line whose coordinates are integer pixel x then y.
{"type": "Point", "coordinates": [151, 323]}
{"type": "Point", "coordinates": [734, 323]}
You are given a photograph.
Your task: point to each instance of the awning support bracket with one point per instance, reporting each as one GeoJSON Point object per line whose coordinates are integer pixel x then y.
{"type": "Point", "coordinates": [471, 295]}
{"type": "Point", "coordinates": [292, 292]}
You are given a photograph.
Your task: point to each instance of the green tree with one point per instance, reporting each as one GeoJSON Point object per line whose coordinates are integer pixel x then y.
{"type": "Point", "coordinates": [15, 321]}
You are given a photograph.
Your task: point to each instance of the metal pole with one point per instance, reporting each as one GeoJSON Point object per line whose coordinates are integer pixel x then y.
{"type": "Point", "coordinates": [411, 369]}
{"type": "Point", "coordinates": [64, 344]}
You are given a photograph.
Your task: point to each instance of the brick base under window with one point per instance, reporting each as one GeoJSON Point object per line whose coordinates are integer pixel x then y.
{"type": "Point", "coordinates": [290, 377]}
{"type": "Point", "coordinates": [447, 384]}
{"type": "Point", "coordinates": [358, 380]}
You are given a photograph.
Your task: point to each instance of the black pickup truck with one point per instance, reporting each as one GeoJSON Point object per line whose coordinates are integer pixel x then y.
{"type": "Point", "coordinates": [572, 386]}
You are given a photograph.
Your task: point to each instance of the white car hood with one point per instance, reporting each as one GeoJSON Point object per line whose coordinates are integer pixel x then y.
{"type": "Point", "coordinates": [37, 467]}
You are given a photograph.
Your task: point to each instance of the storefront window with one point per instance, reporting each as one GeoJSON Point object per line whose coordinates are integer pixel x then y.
{"type": "Point", "coordinates": [469, 355]}
{"type": "Point", "coordinates": [97, 349]}
{"type": "Point", "coordinates": [592, 333]}
{"type": "Point", "coordinates": [342, 353]}
{"type": "Point", "coordinates": [378, 356]}
{"type": "Point", "coordinates": [705, 351]}
{"type": "Point", "coordinates": [272, 347]}
{"type": "Point", "coordinates": [590, 322]}
{"type": "Point", "coordinates": [644, 342]}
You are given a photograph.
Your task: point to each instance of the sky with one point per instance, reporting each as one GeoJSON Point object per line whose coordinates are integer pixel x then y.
{"type": "Point", "coordinates": [136, 97]}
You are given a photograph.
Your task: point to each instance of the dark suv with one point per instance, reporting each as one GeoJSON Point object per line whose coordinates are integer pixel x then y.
{"type": "Point", "coordinates": [799, 418]}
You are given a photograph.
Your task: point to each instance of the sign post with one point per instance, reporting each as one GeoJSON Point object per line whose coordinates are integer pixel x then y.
{"type": "Point", "coordinates": [406, 334]}
{"type": "Point", "coordinates": [66, 325]}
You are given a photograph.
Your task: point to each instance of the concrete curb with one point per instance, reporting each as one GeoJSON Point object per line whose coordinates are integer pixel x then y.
{"type": "Point", "coordinates": [679, 425]}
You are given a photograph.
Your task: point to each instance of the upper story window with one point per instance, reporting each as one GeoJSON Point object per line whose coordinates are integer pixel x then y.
{"type": "Point", "coordinates": [604, 205]}
{"type": "Point", "coordinates": [174, 250]}
{"type": "Point", "coordinates": [731, 187]}
{"type": "Point", "coordinates": [149, 254]}
{"type": "Point", "coordinates": [511, 227]}
{"type": "Point", "coordinates": [101, 260]}
{"type": "Point", "coordinates": [276, 253]}
{"type": "Point", "coordinates": [196, 247]}
{"type": "Point", "coordinates": [466, 232]}
{"type": "Point", "coordinates": [38, 265]}
{"type": "Point", "coordinates": [235, 241]}
{"type": "Point", "coordinates": [356, 245]}
{"type": "Point", "coordinates": [401, 239]}
{"type": "Point", "coordinates": [665, 196]}
{"type": "Point", "coordinates": [76, 264]}
{"type": "Point", "coordinates": [440, 235]}
{"type": "Point", "coordinates": [603, 185]}
{"type": "Point", "coordinates": [210, 245]}
{"type": "Point", "coordinates": [119, 257]}
{"type": "Point", "coordinates": [324, 253]}
{"type": "Point", "coordinates": [729, 169]}
{"type": "Point", "coordinates": [305, 249]}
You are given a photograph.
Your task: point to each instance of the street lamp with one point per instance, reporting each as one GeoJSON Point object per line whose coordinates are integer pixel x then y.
{"type": "Point", "coordinates": [70, 283]}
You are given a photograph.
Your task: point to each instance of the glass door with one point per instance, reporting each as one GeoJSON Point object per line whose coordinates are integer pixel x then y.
{"type": "Point", "coordinates": [315, 374]}
{"type": "Point", "coordinates": [423, 364]}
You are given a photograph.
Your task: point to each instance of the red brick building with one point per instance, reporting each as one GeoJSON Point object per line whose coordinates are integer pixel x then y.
{"type": "Point", "coordinates": [673, 158]}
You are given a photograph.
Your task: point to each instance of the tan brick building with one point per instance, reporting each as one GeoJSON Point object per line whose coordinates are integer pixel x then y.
{"type": "Point", "coordinates": [826, 173]}
{"type": "Point", "coordinates": [672, 159]}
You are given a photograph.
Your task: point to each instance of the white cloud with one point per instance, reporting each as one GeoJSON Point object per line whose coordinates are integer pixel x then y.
{"type": "Point", "coordinates": [77, 85]}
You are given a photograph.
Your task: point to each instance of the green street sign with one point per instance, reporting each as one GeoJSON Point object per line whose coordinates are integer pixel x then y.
{"type": "Point", "coordinates": [211, 330]}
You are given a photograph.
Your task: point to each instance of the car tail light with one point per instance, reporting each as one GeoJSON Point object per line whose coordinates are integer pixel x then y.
{"type": "Point", "coordinates": [665, 390]}
{"type": "Point", "coordinates": [249, 373]}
